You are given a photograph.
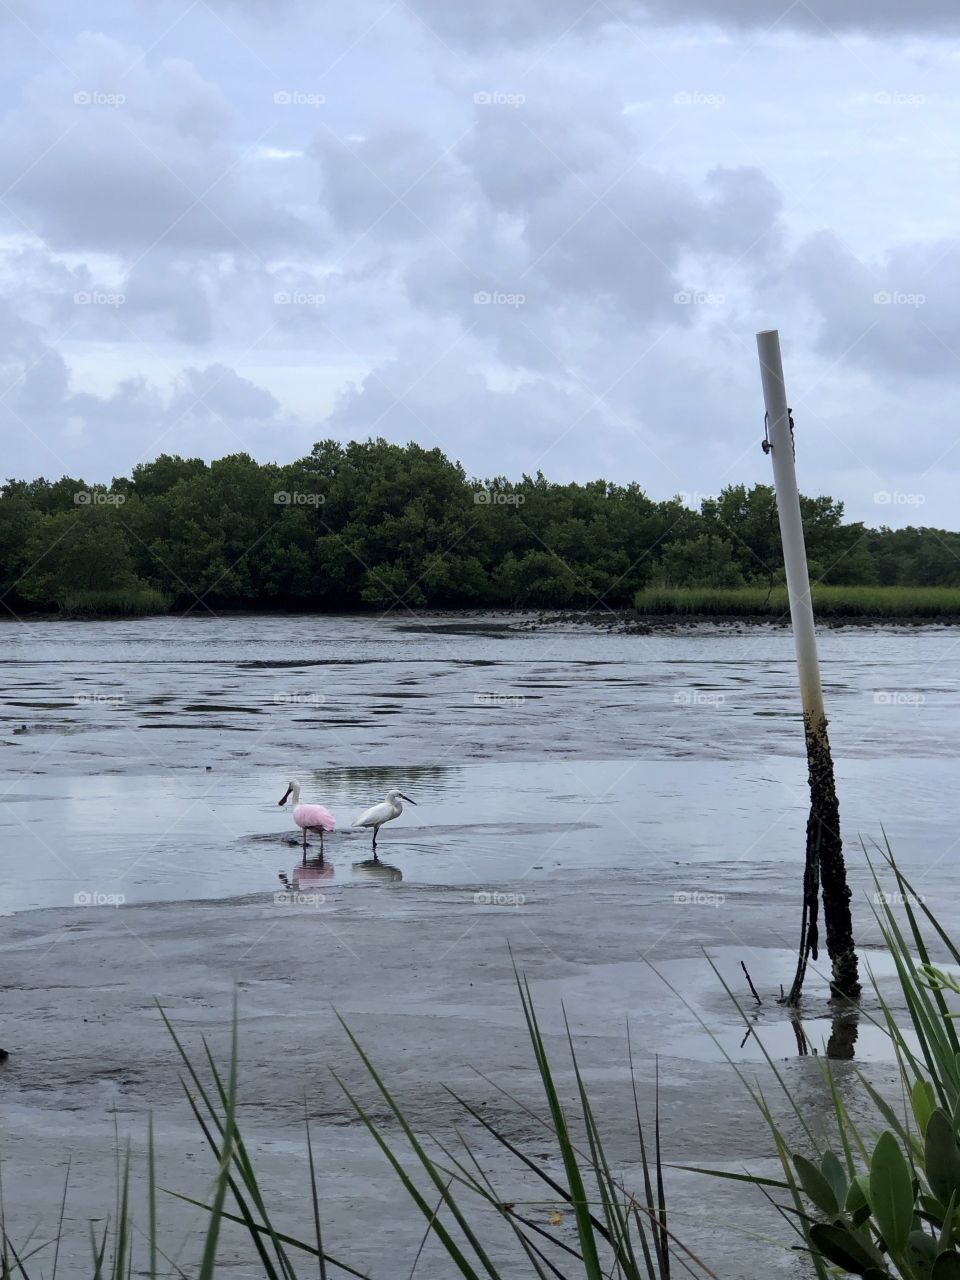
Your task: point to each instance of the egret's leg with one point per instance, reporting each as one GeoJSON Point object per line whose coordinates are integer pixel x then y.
{"type": "Point", "coordinates": [375, 830]}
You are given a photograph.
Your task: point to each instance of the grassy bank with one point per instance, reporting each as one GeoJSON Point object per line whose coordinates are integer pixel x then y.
{"type": "Point", "coordinates": [122, 603]}
{"type": "Point", "coordinates": [828, 602]}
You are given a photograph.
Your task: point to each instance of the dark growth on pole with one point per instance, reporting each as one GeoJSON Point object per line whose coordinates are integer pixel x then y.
{"type": "Point", "coordinates": [825, 869]}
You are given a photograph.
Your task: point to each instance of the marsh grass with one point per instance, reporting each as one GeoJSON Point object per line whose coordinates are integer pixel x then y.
{"type": "Point", "coordinates": [121, 602]}
{"type": "Point", "coordinates": [828, 602]}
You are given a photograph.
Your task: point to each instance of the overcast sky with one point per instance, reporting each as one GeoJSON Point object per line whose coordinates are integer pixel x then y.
{"type": "Point", "coordinates": [540, 234]}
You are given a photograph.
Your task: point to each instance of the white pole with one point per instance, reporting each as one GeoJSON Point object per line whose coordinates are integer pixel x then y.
{"type": "Point", "coordinates": [791, 525]}
{"type": "Point", "coordinates": [825, 863]}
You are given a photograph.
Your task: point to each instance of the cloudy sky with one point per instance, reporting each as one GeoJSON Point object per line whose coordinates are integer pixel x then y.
{"type": "Point", "coordinates": [540, 234]}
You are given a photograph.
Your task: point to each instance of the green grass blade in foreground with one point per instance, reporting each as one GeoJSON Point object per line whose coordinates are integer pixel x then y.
{"type": "Point", "coordinates": [588, 1244]}
{"type": "Point", "coordinates": [209, 1260]}
{"type": "Point", "coordinates": [617, 1223]}
{"type": "Point", "coordinates": [410, 1187]}
{"type": "Point", "coordinates": [152, 1197]}
{"type": "Point", "coordinates": [315, 1198]}
{"type": "Point", "coordinates": [432, 1172]}
{"type": "Point", "coordinates": [243, 1163]}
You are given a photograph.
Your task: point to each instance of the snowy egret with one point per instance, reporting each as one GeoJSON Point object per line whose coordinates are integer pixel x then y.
{"type": "Point", "coordinates": [388, 809]}
{"type": "Point", "coordinates": [309, 817]}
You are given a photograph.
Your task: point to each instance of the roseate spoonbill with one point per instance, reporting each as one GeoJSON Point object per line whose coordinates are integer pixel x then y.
{"type": "Point", "coordinates": [388, 809]}
{"type": "Point", "coordinates": [309, 817]}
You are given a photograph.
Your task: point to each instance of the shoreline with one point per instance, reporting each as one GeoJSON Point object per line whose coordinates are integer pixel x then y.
{"type": "Point", "coordinates": [626, 621]}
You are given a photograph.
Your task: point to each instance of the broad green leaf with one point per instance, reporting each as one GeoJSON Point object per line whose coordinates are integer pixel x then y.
{"type": "Point", "coordinates": [946, 1267]}
{"type": "Point", "coordinates": [891, 1192]}
{"type": "Point", "coordinates": [922, 1098]}
{"type": "Point", "coordinates": [941, 1156]}
{"type": "Point", "coordinates": [835, 1174]}
{"type": "Point", "coordinates": [838, 1245]}
{"type": "Point", "coordinates": [858, 1196]}
{"type": "Point", "coordinates": [817, 1188]}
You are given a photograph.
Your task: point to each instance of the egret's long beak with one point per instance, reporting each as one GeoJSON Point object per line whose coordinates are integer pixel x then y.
{"type": "Point", "coordinates": [407, 798]}
{"type": "Point", "coordinates": [283, 798]}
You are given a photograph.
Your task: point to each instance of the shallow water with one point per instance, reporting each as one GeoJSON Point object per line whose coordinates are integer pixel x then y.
{"type": "Point", "coordinates": [143, 760]}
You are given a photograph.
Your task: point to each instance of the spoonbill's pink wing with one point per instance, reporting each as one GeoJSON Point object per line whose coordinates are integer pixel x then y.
{"type": "Point", "coordinates": [313, 816]}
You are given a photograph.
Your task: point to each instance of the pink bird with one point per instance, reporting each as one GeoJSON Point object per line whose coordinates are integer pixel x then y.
{"type": "Point", "coordinates": [309, 817]}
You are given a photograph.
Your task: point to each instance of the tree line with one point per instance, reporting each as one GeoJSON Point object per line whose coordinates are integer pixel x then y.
{"type": "Point", "coordinates": [373, 524]}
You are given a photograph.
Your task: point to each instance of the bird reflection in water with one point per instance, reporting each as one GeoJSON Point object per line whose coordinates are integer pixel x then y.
{"type": "Point", "coordinates": [307, 875]}
{"type": "Point", "coordinates": [374, 869]}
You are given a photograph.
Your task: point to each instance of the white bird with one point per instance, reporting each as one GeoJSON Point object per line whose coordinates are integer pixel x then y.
{"type": "Point", "coordinates": [388, 809]}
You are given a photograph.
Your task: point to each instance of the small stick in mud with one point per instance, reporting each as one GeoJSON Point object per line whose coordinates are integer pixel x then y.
{"type": "Point", "coordinates": [753, 989]}
{"type": "Point", "coordinates": [825, 869]}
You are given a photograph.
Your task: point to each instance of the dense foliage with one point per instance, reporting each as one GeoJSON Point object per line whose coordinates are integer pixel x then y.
{"type": "Point", "coordinates": [381, 525]}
